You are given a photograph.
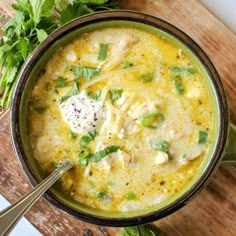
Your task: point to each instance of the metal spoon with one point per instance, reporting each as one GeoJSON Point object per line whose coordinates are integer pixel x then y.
{"type": "Point", "coordinates": [12, 214]}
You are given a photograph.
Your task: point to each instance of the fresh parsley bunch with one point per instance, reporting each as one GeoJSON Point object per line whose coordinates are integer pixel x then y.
{"type": "Point", "coordinates": [32, 22]}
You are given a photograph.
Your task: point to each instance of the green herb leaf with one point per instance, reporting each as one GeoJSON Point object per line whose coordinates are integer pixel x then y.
{"type": "Point", "coordinates": [72, 135]}
{"type": "Point", "coordinates": [179, 70]}
{"type": "Point", "coordinates": [41, 34]}
{"type": "Point", "coordinates": [96, 96]}
{"type": "Point", "coordinates": [86, 72]}
{"type": "Point", "coordinates": [55, 164]}
{"type": "Point", "coordinates": [62, 4]}
{"type": "Point", "coordinates": [115, 94]}
{"type": "Point", "coordinates": [97, 156]}
{"type": "Point", "coordinates": [23, 45]}
{"type": "Point", "coordinates": [83, 152]}
{"type": "Point", "coordinates": [179, 86]}
{"type": "Point", "coordinates": [177, 81]}
{"type": "Point", "coordinates": [141, 230]}
{"type": "Point", "coordinates": [42, 8]}
{"type": "Point", "coordinates": [103, 52]}
{"type": "Point", "coordinates": [162, 146]}
{"type": "Point", "coordinates": [73, 11]}
{"type": "Point", "coordinates": [32, 22]}
{"type": "Point", "coordinates": [74, 91]}
{"type": "Point", "coordinates": [101, 194]}
{"type": "Point", "coordinates": [86, 139]}
{"type": "Point", "coordinates": [203, 136]}
{"type": "Point", "coordinates": [153, 120]}
{"type": "Point", "coordinates": [126, 64]}
{"type": "Point", "coordinates": [131, 196]}
{"type": "Point", "coordinates": [146, 78]}
{"type": "Point", "coordinates": [61, 82]}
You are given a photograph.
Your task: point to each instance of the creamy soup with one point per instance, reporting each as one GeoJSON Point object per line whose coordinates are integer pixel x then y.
{"type": "Point", "coordinates": [129, 109]}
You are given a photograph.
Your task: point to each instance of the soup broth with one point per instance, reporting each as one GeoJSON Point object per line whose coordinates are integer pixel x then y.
{"type": "Point", "coordinates": [129, 109]}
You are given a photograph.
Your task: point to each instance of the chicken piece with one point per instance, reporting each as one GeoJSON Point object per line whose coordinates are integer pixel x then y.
{"type": "Point", "coordinates": [161, 158]}
{"type": "Point", "coordinates": [125, 159]}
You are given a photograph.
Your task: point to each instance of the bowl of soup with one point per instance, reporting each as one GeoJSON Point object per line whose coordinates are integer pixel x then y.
{"type": "Point", "coordinates": [135, 104]}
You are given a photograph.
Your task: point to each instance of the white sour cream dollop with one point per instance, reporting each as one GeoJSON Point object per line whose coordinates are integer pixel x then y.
{"type": "Point", "coordinates": [81, 112]}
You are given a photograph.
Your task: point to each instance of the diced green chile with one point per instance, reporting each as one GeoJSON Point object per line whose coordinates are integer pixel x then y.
{"type": "Point", "coordinates": [162, 146]}
{"type": "Point", "coordinates": [101, 194]}
{"type": "Point", "coordinates": [203, 136]}
{"type": "Point", "coordinates": [97, 156]}
{"type": "Point", "coordinates": [153, 120]}
{"type": "Point", "coordinates": [83, 152]}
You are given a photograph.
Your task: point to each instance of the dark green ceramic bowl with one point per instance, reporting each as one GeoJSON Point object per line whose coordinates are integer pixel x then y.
{"type": "Point", "coordinates": [149, 23]}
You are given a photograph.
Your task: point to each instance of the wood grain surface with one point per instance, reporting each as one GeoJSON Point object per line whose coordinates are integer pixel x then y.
{"type": "Point", "coordinates": [213, 211]}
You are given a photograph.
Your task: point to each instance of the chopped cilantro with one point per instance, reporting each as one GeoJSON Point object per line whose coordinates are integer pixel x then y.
{"type": "Point", "coordinates": [74, 91]}
{"type": "Point", "coordinates": [55, 164]}
{"type": "Point", "coordinates": [146, 78]}
{"type": "Point", "coordinates": [86, 72]}
{"type": "Point", "coordinates": [115, 94]}
{"type": "Point", "coordinates": [103, 52]}
{"type": "Point", "coordinates": [203, 136]}
{"type": "Point", "coordinates": [72, 135]}
{"type": "Point", "coordinates": [131, 196]}
{"type": "Point", "coordinates": [126, 64]}
{"type": "Point", "coordinates": [101, 194]}
{"type": "Point", "coordinates": [179, 86]}
{"type": "Point", "coordinates": [61, 82]}
{"type": "Point", "coordinates": [95, 95]}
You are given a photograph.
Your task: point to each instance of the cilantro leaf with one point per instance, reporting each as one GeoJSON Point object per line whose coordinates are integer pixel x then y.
{"type": "Point", "coordinates": [42, 8]}
{"type": "Point", "coordinates": [73, 11]}
{"type": "Point", "coordinates": [146, 78]}
{"type": "Point", "coordinates": [115, 94]}
{"type": "Point", "coordinates": [62, 4]}
{"type": "Point", "coordinates": [61, 82]}
{"type": "Point", "coordinates": [179, 86]}
{"type": "Point", "coordinates": [32, 22]}
{"type": "Point", "coordinates": [126, 64]}
{"type": "Point", "coordinates": [41, 34]}
{"type": "Point", "coordinates": [101, 194]}
{"type": "Point", "coordinates": [95, 95]}
{"type": "Point", "coordinates": [74, 91]}
{"type": "Point", "coordinates": [23, 45]}
{"type": "Point", "coordinates": [85, 72]}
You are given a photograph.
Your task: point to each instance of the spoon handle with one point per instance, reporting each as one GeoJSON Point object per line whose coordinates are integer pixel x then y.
{"type": "Point", "coordinates": [12, 214]}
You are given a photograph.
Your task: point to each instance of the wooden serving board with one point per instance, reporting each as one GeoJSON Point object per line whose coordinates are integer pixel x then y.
{"type": "Point", "coordinates": [213, 211]}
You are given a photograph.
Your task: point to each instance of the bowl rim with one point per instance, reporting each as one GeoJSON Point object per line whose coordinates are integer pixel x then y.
{"type": "Point", "coordinates": [135, 16]}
